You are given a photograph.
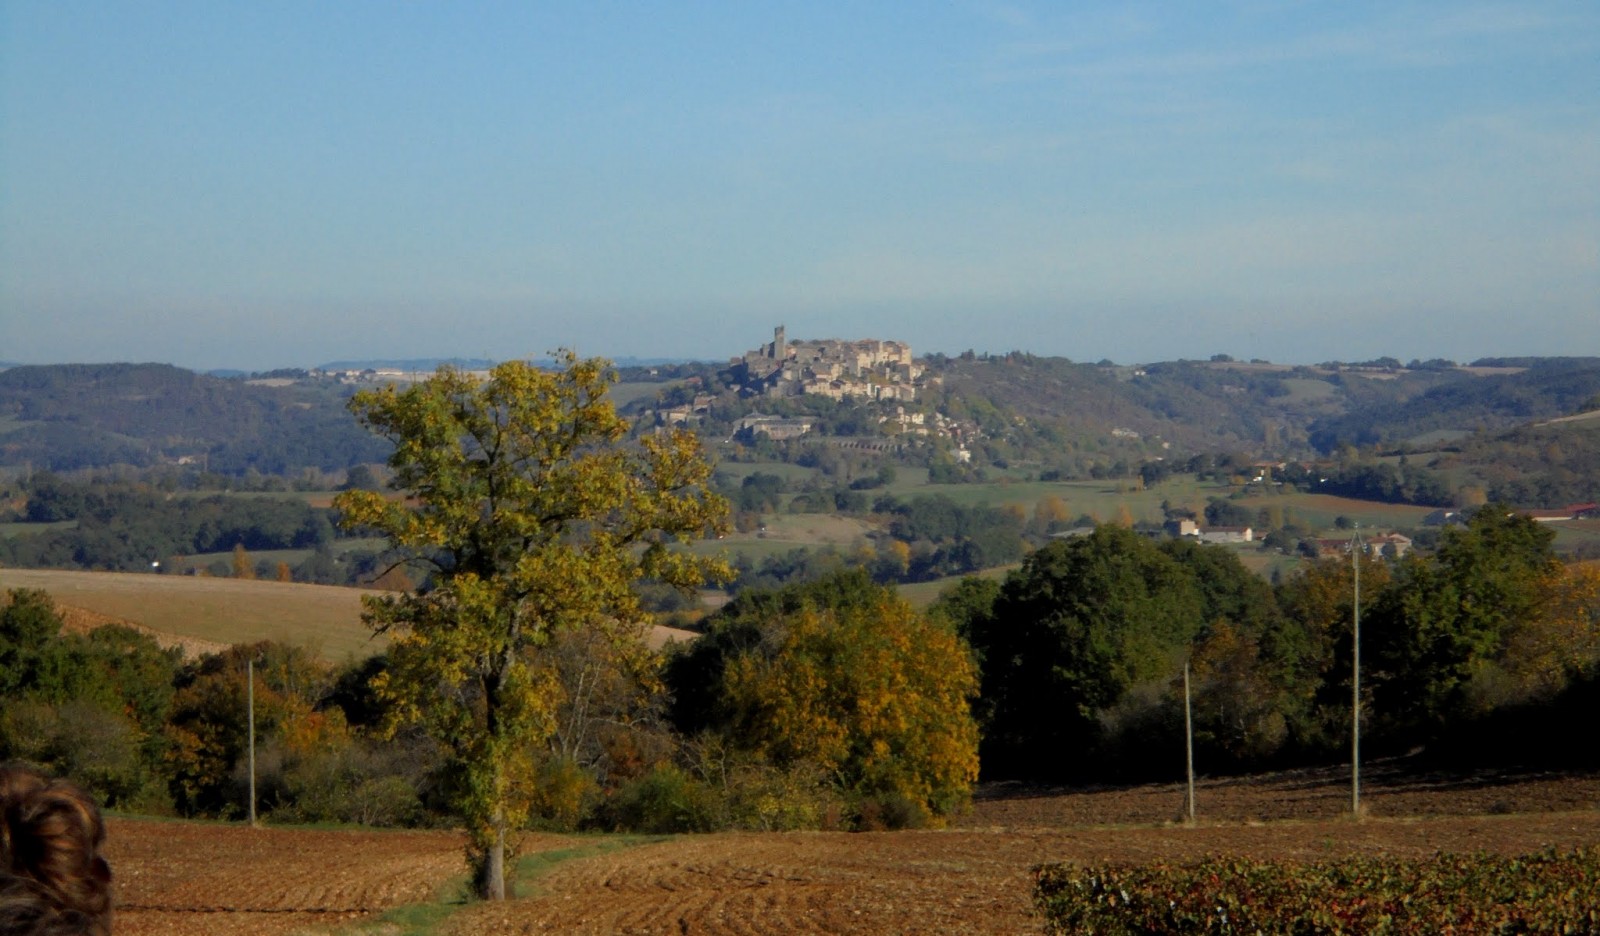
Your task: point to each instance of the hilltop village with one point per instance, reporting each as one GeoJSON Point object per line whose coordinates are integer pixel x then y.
{"type": "Point", "coordinates": [867, 369]}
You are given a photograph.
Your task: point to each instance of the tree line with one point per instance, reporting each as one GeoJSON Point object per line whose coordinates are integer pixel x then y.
{"type": "Point", "coordinates": [835, 703]}
{"type": "Point", "coordinates": [1082, 648]}
{"type": "Point", "coordinates": [126, 525]}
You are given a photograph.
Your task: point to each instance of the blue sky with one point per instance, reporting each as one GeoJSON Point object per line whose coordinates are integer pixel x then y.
{"type": "Point", "coordinates": [282, 184]}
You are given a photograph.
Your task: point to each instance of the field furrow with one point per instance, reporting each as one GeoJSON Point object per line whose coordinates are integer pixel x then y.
{"type": "Point", "coordinates": [183, 878]}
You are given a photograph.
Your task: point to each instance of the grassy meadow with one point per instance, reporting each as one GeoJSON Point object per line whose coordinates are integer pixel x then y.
{"type": "Point", "coordinates": [1104, 499]}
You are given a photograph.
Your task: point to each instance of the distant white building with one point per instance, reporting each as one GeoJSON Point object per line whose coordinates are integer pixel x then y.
{"type": "Point", "coordinates": [1227, 534]}
{"type": "Point", "coordinates": [773, 427]}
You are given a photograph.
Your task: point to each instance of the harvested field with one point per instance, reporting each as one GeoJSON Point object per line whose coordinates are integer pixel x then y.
{"type": "Point", "coordinates": [214, 611]}
{"type": "Point", "coordinates": [205, 615]}
{"type": "Point", "coordinates": [190, 878]}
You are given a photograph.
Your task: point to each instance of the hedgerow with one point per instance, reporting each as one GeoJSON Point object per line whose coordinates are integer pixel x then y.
{"type": "Point", "coordinates": [1550, 892]}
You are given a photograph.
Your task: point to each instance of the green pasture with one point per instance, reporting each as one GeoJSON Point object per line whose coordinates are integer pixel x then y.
{"type": "Point", "coordinates": [294, 557]}
{"type": "Point", "coordinates": [23, 529]}
{"type": "Point", "coordinates": [1101, 499]}
{"type": "Point", "coordinates": [622, 394]}
{"type": "Point", "coordinates": [182, 565]}
{"type": "Point", "coordinates": [1575, 535]}
{"type": "Point", "coordinates": [785, 532]}
{"type": "Point", "coordinates": [1269, 564]}
{"type": "Point", "coordinates": [1308, 390]}
{"type": "Point", "coordinates": [791, 474]}
{"type": "Point", "coordinates": [1320, 511]}
{"type": "Point", "coordinates": [923, 594]}
{"type": "Point", "coordinates": [748, 548]}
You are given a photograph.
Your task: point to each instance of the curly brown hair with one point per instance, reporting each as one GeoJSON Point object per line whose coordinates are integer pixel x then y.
{"type": "Point", "coordinates": [53, 879]}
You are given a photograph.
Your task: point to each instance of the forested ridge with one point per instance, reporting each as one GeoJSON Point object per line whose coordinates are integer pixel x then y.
{"type": "Point", "coordinates": [1053, 413]}
{"type": "Point", "coordinates": [70, 416]}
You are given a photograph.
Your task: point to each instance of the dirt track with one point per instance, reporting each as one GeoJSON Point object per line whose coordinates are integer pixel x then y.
{"type": "Point", "coordinates": [184, 878]}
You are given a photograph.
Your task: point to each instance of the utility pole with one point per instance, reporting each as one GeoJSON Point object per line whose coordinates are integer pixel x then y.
{"type": "Point", "coordinates": [250, 707]}
{"type": "Point", "coordinates": [1355, 685]}
{"type": "Point", "coordinates": [1188, 737]}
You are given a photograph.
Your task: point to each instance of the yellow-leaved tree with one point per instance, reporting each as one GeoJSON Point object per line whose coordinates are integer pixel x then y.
{"type": "Point", "coordinates": [1545, 651]}
{"type": "Point", "coordinates": [532, 513]}
{"type": "Point", "coordinates": [844, 677]}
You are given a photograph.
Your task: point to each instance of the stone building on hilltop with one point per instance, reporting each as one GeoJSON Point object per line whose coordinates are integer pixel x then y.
{"type": "Point", "coordinates": [867, 369]}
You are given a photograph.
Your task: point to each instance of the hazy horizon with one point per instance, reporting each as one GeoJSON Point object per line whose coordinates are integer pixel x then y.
{"type": "Point", "coordinates": [265, 186]}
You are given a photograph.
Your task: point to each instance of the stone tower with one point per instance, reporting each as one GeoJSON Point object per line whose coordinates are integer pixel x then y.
{"type": "Point", "coordinates": [780, 350]}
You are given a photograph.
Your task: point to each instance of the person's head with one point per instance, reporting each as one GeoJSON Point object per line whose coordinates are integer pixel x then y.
{"type": "Point", "coordinates": [53, 879]}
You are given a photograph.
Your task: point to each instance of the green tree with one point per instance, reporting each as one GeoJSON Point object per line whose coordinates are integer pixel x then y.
{"type": "Point", "coordinates": [1254, 680]}
{"type": "Point", "coordinates": [1317, 605]}
{"type": "Point", "coordinates": [1448, 616]}
{"type": "Point", "coordinates": [966, 601]}
{"type": "Point", "coordinates": [28, 622]}
{"type": "Point", "coordinates": [89, 706]}
{"type": "Point", "coordinates": [534, 515]}
{"type": "Point", "coordinates": [1071, 632]}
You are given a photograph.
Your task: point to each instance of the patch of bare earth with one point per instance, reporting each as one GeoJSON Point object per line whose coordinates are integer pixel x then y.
{"type": "Point", "coordinates": [972, 878]}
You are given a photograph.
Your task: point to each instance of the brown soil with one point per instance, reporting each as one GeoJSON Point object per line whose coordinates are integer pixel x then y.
{"type": "Point", "coordinates": [973, 878]}
{"type": "Point", "coordinates": [185, 878]}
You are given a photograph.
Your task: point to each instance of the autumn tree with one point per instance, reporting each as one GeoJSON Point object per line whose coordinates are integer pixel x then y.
{"type": "Point", "coordinates": [533, 514]}
{"type": "Point", "coordinates": [1561, 642]}
{"type": "Point", "coordinates": [843, 677]}
{"type": "Point", "coordinates": [1049, 515]}
{"type": "Point", "coordinates": [207, 728]}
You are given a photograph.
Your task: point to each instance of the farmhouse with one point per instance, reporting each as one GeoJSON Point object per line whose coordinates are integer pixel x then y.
{"type": "Point", "coordinates": [1183, 526]}
{"type": "Point", "coordinates": [1227, 534]}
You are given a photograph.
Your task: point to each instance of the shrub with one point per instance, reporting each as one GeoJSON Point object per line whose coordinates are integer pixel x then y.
{"type": "Point", "coordinates": [891, 811]}
{"type": "Point", "coordinates": [1545, 893]}
{"type": "Point", "coordinates": [663, 801]}
{"type": "Point", "coordinates": [767, 799]}
{"type": "Point", "coordinates": [565, 793]}
{"type": "Point", "coordinates": [343, 782]}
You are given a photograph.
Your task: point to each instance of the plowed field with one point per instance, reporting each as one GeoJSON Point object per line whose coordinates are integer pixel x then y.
{"type": "Point", "coordinates": [185, 878]}
{"type": "Point", "coordinates": [192, 878]}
